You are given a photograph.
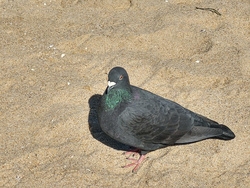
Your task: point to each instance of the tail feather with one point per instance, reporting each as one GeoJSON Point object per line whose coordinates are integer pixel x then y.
{"type": "Point", "coordinates": [227, 134]}
{"type": "Point", "coordinates": [205, 128]}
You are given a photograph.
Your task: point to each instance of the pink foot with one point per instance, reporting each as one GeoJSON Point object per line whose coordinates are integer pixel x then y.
{"type": "Point", "coordinates": [137, 162]}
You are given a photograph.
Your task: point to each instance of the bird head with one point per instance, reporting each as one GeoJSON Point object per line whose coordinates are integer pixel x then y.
{"type": "Point", "coordinates": [118, 79]}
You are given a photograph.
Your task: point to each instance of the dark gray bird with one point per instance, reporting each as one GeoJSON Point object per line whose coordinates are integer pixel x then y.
{"type": "Point", "coordinates": [148, 122]}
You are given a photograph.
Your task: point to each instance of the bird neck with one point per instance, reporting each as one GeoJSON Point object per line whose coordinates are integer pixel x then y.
{"type": "Point", "coordinates": [116, 96]}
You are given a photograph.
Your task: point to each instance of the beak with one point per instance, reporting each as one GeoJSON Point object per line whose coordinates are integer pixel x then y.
{"type": "Point", "coordinates": [110, 86]}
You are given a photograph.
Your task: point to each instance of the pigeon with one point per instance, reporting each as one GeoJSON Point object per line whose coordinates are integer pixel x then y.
{"type": "Point", "coordinates": [147, 122]}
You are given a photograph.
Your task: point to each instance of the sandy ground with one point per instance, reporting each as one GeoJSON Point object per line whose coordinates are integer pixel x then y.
{"type": "Point", "coordinates": [54, 60]}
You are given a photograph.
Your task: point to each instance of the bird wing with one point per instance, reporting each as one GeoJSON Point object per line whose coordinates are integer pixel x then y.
{"type": "Point", "coordinates": [156, 120]}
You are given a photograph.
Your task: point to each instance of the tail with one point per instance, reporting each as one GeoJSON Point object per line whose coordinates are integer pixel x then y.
{"type": "Point", "coordinates": [227, 134]}
{"type": "Point", "coordinates": [204, 128]}
{"type": "Point", "coordinates": [224, 132]}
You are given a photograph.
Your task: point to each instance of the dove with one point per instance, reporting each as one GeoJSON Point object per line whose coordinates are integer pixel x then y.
{"type": "Point", "coordinates": [147, 122]}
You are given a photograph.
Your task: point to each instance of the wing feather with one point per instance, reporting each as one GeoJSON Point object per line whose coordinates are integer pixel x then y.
{"type": "Point", "coordinates": [156, 121]}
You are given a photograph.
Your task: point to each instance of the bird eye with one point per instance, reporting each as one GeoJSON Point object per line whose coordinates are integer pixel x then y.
{"type": "Point", "coordinates": [121, 77]}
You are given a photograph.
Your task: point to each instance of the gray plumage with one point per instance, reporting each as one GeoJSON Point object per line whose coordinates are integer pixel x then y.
{"type": "Point", "coordinates": [146, 121]}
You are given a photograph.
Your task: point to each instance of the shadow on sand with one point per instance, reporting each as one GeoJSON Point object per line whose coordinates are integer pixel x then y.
{"type": "Point", "coordinates": [96, 130]}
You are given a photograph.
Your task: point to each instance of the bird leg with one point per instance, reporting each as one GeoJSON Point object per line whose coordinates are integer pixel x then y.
{"type": "Point", "coordinates": [137, 162]}
{"type": "Point", "coordinates": [133, 152]}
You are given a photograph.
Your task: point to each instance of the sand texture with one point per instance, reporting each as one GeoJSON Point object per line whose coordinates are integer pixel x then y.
{"type": "Point", "coordinates": [54, 59]}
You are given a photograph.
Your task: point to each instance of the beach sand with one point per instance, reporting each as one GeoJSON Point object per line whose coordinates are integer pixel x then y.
{"type": "Point", "coordinates": [54, 59]}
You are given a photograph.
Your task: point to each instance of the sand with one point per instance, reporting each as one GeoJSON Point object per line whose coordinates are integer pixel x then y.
{"type": "Point", "coordinates": [54, 60]}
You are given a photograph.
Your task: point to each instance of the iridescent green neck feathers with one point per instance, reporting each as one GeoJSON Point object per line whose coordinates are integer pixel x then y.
{"type": "Point", "coordinates": [115, 97]}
